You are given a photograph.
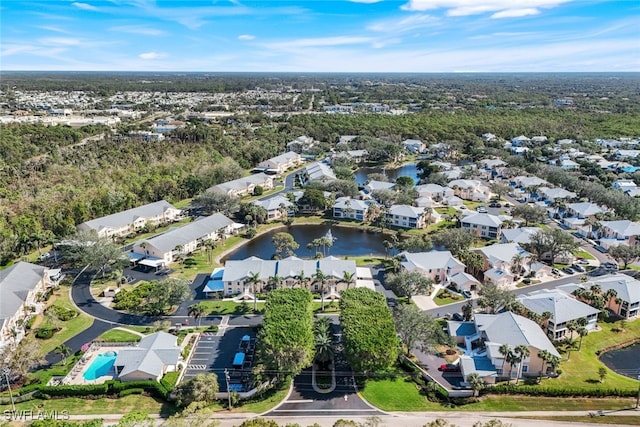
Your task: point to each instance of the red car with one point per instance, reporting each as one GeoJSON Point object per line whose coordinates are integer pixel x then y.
{"type": "Point", "coordinates": [450, 367]}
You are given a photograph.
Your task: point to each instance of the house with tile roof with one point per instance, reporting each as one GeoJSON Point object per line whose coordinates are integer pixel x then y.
{"type": "Point", "coordinates": [481, 340]}
{"type": "Point", "coordinates": [562, 307]}
{"type": "Point", "coordinates": [150, 359]}
{"type": "Point", "coordinates": [20, 286]}
{"type": "Point", "coordinates": [132, 220]}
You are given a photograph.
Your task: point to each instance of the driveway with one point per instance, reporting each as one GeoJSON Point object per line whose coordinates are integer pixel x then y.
{"type": "Point", "coordinates": [76, 342]}
{"type": "Point", "coordinates": [431, 362]}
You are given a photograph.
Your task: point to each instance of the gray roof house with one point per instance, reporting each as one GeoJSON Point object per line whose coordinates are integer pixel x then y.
{"type": "Point", "coordinates": [19, 287]}
{"type": "Point", "coordinates": [317, 171]}
{"type": "Point", "coordinates": [553, 194]}
{"type": "Point", "coordinates": [245, 185]}
{"type": "Point", "coordinates": [563, 309]}
{"type": "Point", "coordinates": [154, 356]}
{"type": "Point", "coordinates": [482, 338]}
{"type": "Point", "coordinates": [277, 207]}
{"type": "Point", "coordinates": [627, 292]}
{"type": "Point", "coordinates": [161, 249]}
{"type": "Point", "coordinates": [406, 216]}
{"type": "Point", "coordinates": [439, 266]}
{"type": "Point", "coordinates": [482, 225]}
{"type": "Point", "coordinates": [623, 230]}
{"type": "Point", "coordinates": [378, 185]}
{"type": "Point", "coordinates": [131, 220]}
{"type": "Point", "coordinates": [281, 163]}
{"type": "Point", "coordinates": [346, 207]}
{"type": "Point", "coordinates": [583, 209]}
{"type": "Point", "coordinates": [520, 235]}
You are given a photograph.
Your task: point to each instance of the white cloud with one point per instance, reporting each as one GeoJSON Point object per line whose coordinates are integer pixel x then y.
{"type": "Point", "coordinates": [152, 55]}
{"type": "Point", "coordinates": [365, 1]}
{"type": "Point", "coordinates": [406, 24]}
{"type": "Point", "coordinates": [134, 29]}
{"type": "Point", "coordinates": [84, 6]}
{"type": "Point", "coordinates": [515, 13]}
{"type": "Point", "coordinates": [501, 8]}
{"type": "Point", "coordinates": [246, 37]}
{"type": "Point", "coordinates": [320, 41]}
{"type": "Point", "coordinates": [53, 29]}
{"type": "Point", "coordinates": [60, 41]}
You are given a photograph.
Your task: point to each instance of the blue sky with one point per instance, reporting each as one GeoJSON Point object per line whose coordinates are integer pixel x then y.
{"type": "Point", "coordinates": [321, 35]}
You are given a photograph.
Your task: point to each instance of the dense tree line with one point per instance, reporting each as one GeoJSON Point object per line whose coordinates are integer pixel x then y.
{"type": "Point", "coordinates": [286, 340]}
{"type": "Point", "coordinates": [369, 335]}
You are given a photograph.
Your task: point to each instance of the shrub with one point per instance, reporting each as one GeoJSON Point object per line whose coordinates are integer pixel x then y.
{"type": "Point", "coordinates": [44, 333]}
{"type": "Point", "coordinates": [30, 323]}
{"type": "Point", "coordinates": [130, 391]}
{"type": "Point", "coordinates": [558, 392]}
{"type": "Point", "coordinates": [170, 379]}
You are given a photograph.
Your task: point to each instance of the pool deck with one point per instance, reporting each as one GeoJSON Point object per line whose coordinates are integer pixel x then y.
{"type": "Point", "coordinates": [76, 375]}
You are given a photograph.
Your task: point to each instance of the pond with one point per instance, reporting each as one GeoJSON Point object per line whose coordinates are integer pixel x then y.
{"type": "Point", "coordinates": [348, 242]}
{"type": "Point", "coordinates": [408, 169]}
{"type": "Point", "coordinates": [624, 361]}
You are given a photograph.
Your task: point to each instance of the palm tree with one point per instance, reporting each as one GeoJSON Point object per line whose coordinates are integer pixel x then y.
{"type": "Point", "coordinates": [522, 352]}
{"type": "Point", "coordinates": [582, 331]}
{"type": "Point", "coordinates": [544, 355]}
{"type": "Point", "coordinates": [516, 264]}
{"type": "Point", "coordinates": [323, 344]}
{"type": "Point", "coordinates": [254, 279]}
{"type": "Point", "coordinates": [63, 351]}
{"type": "Point", "coordinates": [475, 382]}
{"type": "Point", "coordinates": [321, 277]}
{"type": "Point", "coordinates": [349, 278]}
{"type": "Point", "coordinates": [196, 311]}
{"type": "Point", "coordinates": [274, 281]}
{"type": "Point", "coordinates": [302, 279]}
{"type": "Point", "coordinates": [509, 357]}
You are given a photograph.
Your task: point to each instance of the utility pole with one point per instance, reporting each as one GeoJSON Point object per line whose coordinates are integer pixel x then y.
{"type": "Point", "coordinates": [227, 377]}
{"type": "Point", "coordinates": [5, 371]}
{"type": "Point", "coordinates": [638, 398]}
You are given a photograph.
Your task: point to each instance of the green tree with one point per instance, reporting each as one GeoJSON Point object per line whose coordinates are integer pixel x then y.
{"type": "Point", "coordinates": [64, 352]}
{"type": "Point", "coordinates": [494, 299]}
{"type": "Point", "coordinates": [624, 254]}
{"type": "Point", "coordinates": [200, 388]}
{"type": "Point", "coordinates": [456, 240]}
{"type": "Point", "coordinates": [521, 353]}
{"type": "Point", "coordinates": [85, 248]}
{"type": "Point", "coordinates": [509, 357]}
{"type": "Point", "coordinates": [475, 382]}
{"type": "Point", "coordinates": [529, 213]}
{"type": "Point", "coordinates": [602, 373]}
{"type": "Point", "coordinates": [197, 311]}
{"type": "Point", "coordinates": [215, 201]}
{"type": "Point", "coordinates": [415, 326]}
{"type": "Point", "coordinates": [552, 242]}
{"type": "Point", "coordinates": [408, 283]}
{"type": "Point", "coordinates": [284, 244]}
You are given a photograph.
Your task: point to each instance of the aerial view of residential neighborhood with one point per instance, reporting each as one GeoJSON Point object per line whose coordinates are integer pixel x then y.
{"type": "Point", "coordinates": [295, 240]}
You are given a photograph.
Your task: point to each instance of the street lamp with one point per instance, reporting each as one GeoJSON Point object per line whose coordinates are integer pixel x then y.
{"type": "Point", "coordinates": [227, 377]}
{"type": "Point", "coordinates": [638, 398]}
{"type": "Point", "coordinates": [5, 371]}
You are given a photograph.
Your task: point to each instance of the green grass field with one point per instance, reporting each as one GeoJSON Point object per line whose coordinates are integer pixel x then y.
{"type": "Point", "coordinates": [231, 307]}
{"type": "Point", "coordinates": [443, 297]}
{"type": "Point", "coordinates": [77, 406]}
{"type": "Point", "coordinates": [583, 254]}
{"type": "Point", "coordinates": [119, 335]}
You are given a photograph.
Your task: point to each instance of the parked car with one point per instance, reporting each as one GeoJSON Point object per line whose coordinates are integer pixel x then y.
{"type": "Point", "coordinates": [466, 294]}
{"type": "Point", "coordinates": [578, 268]}
{"type": "Point", "coordinates": [458, 317]}
{"type": "Point", "coordinates": [583, 262]}
{"type": "Point", "coordinates": [495, 205]}
{"type": "Point", "coordinates": [481, 209]}
{"type": "Point", "coordinates": [449, 367]}
{"type": "Point", "coordinates": [609, 266]}
{"type": "Point", "coordinates": [45, 256]}
{"type": "Point", "coordinates": [597, 272]}
{"type": "Point", "coordinates": [568, 270]}
{"type": "Point", "coordinates": [555, 271]}
{"type": "Point", "coordinates": [392, 302]}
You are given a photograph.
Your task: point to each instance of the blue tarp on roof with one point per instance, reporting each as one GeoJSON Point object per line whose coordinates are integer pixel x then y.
{"type": "Point", "coordinates": [246, 338]}
{"type": "Point", "coordinates": [235, 387]}
{"type": "Point", "coordinates": [238, 359]}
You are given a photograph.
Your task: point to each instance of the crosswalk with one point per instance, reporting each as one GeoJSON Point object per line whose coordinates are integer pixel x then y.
{"type": "Point", "coordinates": [197, 367]}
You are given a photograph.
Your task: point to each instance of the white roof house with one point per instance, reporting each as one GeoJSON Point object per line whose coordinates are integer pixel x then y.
{"type": "Point", "coordinates": [275, 206]}
{"type": "Point", "coordinates": [500, 255]}
{"type": "Point", "coordinates": [379, 185]}
{"type": "Point", "coordinates": [524, 181]}
{"type": "Point", "coordinates": [584, 209]}
{"type": "Point", "coordinates": [19, 286]}
{"type": "Point", "coordinates": [318, 171]}
{"type": "Point", "coordinates": [520, 235]}
{"type": "Point", "coordinates": [346, 207]}
{"type": "Point", "coordinates": [464, 281]}
{"type": "Point", "coordinates": [413, 145]}
{"type": "Point", "coordinates": [552, 194]}
{"type": "Point", "coordinates": [562, 307]}
{"type": "Point", "coordinates": [482, 225]}
{"type": "Point", "coordinates": [492, 163]}
{"type": "Point", "coordinates": [406, 216]}
{"type": "Point", "coordinates": [244, 185]}
{"type": "Point", "coordinates": [434, 191]}
{"type": "Point", "coordinates": [437, 265]}
{"type": "Point", "coordinates": [627, 289]}
{"type": "Point", "coordinates": [155, 355]}
{"type": "Point", "coordinates": [185, 239]}
{"type": "Point", "coordinates": [126, 222]}
{"type": "Point", "coordinates": [281, 163]}
{"type": "Point", "coordinates": [624, 184]}
{"type": "Point", "coordinates": [620, 230]}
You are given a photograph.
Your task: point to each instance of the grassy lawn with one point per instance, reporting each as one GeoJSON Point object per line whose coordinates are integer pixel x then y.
{"type": "Point", "coordinates": [446, 211]}
{"type": "Point", "coordinates": [75, 405]}
{"type": "Point", "coordinates": [432, 228]}
{"type": "Point", "coordinates": [581, 370]}
{"type": "Point", "coordinates": [444, 297]}
{"type": "Point", "coordinates": [583, 254]}
{"type": "Point", "coordinates": [264, 405]}
{"type": "Point", "coordinates": [119, 335]}
{"type": "Point", "coordinates": [631, 420]}
{"type": "Point", "coordinates": [473, 205]}
{"type": "Point", "coordinates": [366, 261]}
{"type": "Point", "coordinates": [230, 307]}
{"type": "Point", "coordinates": [402, 394]}
{"type": "Point", "coordinates": [70, 328]}
{"type": "Point", "coordinates": [329, 307]}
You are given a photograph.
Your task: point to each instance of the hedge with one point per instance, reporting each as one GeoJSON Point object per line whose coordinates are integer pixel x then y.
{"type": "Point", "coordinates": [130, 391]}
{"type": "Point", "coordinates": [559, 392]}
{"type": "Point", "coordinates": [110, 387]}
{"type": "Point", "coordinates": [75, 390]}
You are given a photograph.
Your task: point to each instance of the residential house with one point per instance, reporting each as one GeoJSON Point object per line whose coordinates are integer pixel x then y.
{"type": "Point", "coordinates": [406, 216]}
{"type": "Point", "coordinates": [583, 210]}
{"type": "Point", "coordinates": [317, 172]}
{"type": "Point", "coordinates": [132, 220]}
{"type": "Point", "coordinates": [624, 185]}
{"type": "Point", "coordinates": [378, 185]}
{"type": "Point", "coordinates": [489, 137]}
{"type": "Point", "coordinates": [562, 308]}
{"type": "Point", "coordinates": [519, 151]}
{"type": "Point", "coordinates": [161, 250]}
{"type": "Point", "coordinates": [346, 139]}
{"type": "Point", "coordinates": [453, 201]}
{"type": "Point", "coordinates": [612, 233]}
{"type": "Point", "coordinates": [355, 156]}
{"type": "Point", "coordinates": [539, 140]}
{"type": "Point", "coordinates": [150, 359]}
{"type": "Point", "coordinates": [277, 207]}
{"type": "Point", "coordinates": [237, 274]}
{"type": "Point", "coordinates": [245, 186]}
{"type": "Point", "coordinates": [626, 301]}
{"type": "Point", "coordinates": [481, 341]}
{"type": "Point", "coordinates": [553, 194]}
{"type": "Point", "coordinates": [434, 191]}
{"type": "Point", "coordinates": [482, 225]}
{"type": "Point", "coordinates": [521, 235]}
{"type": "Point", "coordinates": [414, 145]}
{"type": "Point", "coordinates": [346, 207]}
{"type": "Point", "coordinates": [20, 288]}
{"type": "Point", "coordinates": [520, 140]}
{"type": "Point", "coordinates": [301, 144]}
{"type": "Point", "coordinates": [438, 266]}
{"type": "Point", "coordinates": [627, 154]}
{"type": "Point", "coordinates": [492, 163]}
{"type": "Point", "coordinates": [565, 164]}
{"type": "Point", "coordinates": [500, 262]}
{"type": "Point", "coordinates": [464, 282]}
{"type": "Point", "coordinates": [527, 182]}
{"type": "Point", "coordinates": [470, 189]}
{"type": "Point", "coordinates": [279, 164]}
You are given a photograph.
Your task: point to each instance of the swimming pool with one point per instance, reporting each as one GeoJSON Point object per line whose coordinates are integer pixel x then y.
{"type": "Point", "coordinates": [100, 366]}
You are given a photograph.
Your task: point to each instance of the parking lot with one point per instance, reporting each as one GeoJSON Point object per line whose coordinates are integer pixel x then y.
{"type": "Point", "coordinates": [214, 354]}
